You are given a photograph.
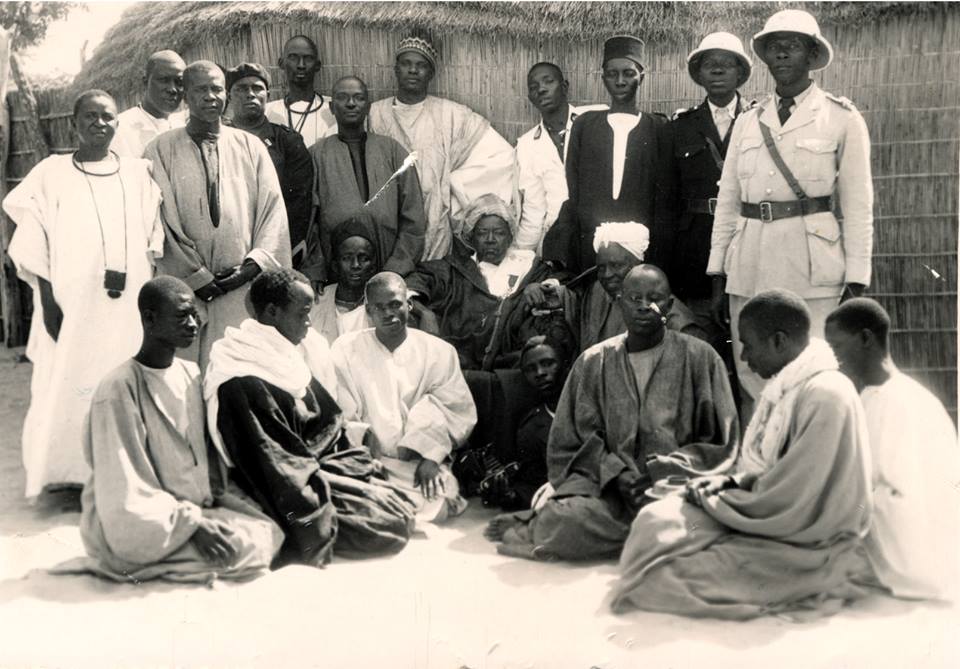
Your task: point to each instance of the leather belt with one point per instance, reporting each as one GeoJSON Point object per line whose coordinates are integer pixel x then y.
{"type": "Point", "coordinates": [701, 206]}
{"type": "Point", "coordinates": [772, 211]}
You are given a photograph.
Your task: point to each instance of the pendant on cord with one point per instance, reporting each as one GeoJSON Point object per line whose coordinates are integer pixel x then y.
{"type": "Point", "coordinates": [114, 282]}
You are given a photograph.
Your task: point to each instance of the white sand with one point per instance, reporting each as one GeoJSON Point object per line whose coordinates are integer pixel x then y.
{"type": "Point", "coordinates": [447, 601]}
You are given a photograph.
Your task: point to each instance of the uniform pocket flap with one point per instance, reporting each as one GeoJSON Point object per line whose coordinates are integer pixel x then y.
{"type": "Point", "coordinates": [817, 145]}
{"type": "Point", "coordinates": [749, 142]}
{"type": "Point", "coordinates": [824, 226]}
{"type": "Point", "coordinates": [689, 150]}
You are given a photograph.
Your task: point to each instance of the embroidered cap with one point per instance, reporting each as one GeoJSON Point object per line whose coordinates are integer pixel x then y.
{"type": "Point", "coordinates": [795, 21]}
{"type": "Point", "coordinates": [244, 70]}
{"type": "Point", "coordinates": [418, 45]}
{"type": "Point", "coordinates": [719, 41]}
{"type": "Point", "coordinates": [624, 46]}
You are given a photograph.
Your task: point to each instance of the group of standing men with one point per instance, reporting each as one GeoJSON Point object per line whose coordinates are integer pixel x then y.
{"type": "Point", "coordinates": [284, 228]}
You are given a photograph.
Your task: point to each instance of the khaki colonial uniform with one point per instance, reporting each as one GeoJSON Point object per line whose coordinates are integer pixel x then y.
{"type": "Point", "coordinates": [764, 238]}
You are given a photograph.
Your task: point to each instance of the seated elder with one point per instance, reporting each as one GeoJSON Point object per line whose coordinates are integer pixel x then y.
{"type": "Point", "coordinates": [783, 531]}
{"type": "Point", "coordinates": [407, 386]}
{"type": "Point", "coordinates": [589, 304]}
{"type": "Point", "coordinates": [474, 288]}
{"type": "Point", "coordinates": [544, 362]}
{"type": "Point", "coordinates": [355, 259]}
{"type": "Point", "coordinates": [149, 507]}
{"type": "Point", "coordinates": [912, 543]}
{"type": "Point", "coordinates": [283, 436]}
{"type": "Point", "coordinates": [637, 408]}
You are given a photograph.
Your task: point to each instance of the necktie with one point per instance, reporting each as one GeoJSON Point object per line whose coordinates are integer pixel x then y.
{"type": "Point", "coordinates": [783, 111]}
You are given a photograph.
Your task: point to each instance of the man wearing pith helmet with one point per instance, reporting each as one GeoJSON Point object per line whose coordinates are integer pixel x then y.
{"type": "Point", "coordinates": [790, 156]}
{"type": "Point", "coordinates": [697, 143]}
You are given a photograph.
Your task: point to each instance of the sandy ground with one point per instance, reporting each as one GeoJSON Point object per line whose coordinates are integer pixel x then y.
{"type": "Point", "coordinates": [447, 601]}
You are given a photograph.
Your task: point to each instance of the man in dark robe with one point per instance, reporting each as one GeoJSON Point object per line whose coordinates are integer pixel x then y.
{"type": "Point", "coordinates": [247, 87]}
{"type": "Point", "coordinates": [474, 289]}
{"type": "Point", "coordinates": [636, 409]}
{"type": "Point", "coordinates": [612, 167]}
{"type": "Point", "coordinates": [283, 434]}
{"type": "Point", "coordinates": [357, 171]}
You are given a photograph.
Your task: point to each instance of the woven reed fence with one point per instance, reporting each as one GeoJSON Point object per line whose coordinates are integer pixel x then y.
{"type": "Point", "coordinates": [902, 72]}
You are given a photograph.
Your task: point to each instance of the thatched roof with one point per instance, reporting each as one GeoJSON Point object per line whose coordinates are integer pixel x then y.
{"type": "Point", "coordinates": [148, 26]}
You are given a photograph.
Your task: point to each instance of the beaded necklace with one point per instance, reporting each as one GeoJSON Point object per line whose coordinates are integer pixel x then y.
{"type": "Point", "coordinates": [114, 282]}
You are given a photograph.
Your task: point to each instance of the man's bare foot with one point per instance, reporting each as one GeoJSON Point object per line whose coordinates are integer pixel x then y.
{"type": "Point", "coordinates": [499, 525]}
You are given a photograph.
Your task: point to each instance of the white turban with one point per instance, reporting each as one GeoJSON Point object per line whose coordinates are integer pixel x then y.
{"type": "Point", "coordinates": [634, 237]}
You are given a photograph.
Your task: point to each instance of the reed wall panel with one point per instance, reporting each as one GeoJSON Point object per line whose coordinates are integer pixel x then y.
{"type": "Point", "coordinates": [902, 72]}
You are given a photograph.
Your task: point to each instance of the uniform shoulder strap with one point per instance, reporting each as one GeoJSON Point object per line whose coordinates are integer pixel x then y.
{"type": "Point", "coordinates": [778, 161]}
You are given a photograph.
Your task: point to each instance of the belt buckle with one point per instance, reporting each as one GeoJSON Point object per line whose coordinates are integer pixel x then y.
{"type": "Point", "coordinates": [712, 205]}
{"type": "Point", "coordinates": [766, 212]}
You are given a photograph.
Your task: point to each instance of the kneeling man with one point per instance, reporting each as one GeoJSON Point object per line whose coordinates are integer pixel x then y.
{"type": "Point", "coordinates": [149, 510]}
{"type": "Point", "coordinates": [783, 531]}
{"type": "Point", "coordinates": [408, 387]}
{"type": "Point", "coordinates": [637, 408]}
{"type": "Point", "coordinates": [283, 434]}
{"type": "Point", "coordinates": [913, 539]}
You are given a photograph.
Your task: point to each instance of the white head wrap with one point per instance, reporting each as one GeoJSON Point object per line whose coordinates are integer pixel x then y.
{"type": "Point", "coordinates": [634, 237]}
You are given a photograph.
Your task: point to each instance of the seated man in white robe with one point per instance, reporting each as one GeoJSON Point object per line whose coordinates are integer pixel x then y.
{"type": "Point", "coordinates": [783, 531]}
{"type": "Point", "coordinates": [407, 386]}
{"type": "Point", "coordinates": [913, 539]}
{"type": "Point", "coordinates": [149, 509]}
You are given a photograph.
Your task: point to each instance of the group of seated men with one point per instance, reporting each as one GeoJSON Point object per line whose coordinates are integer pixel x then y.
{"type": "Point", "coordinates": [419, 352]}
{"type": "Point", "coordinates": [288, 451]}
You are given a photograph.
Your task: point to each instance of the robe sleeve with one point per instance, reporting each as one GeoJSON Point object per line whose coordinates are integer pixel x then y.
{"type": "Point", "coordinates": [431, 281]}
{"type": "Point", "coordinates": [180, 256]}
{"type": "Point", "coordinates": [578, 460]}
{"type": "Point", "coordinates": [713, 448]}
{"type": "Point", "coordinates": [411, 220]}
{"type": "Point", "coordinates": [142, 523]}
{"type": "Point", "coordinates": [663, 235]}
{"type": "Point", "coordinates": [487, 168]}
{"type": "Point", "coordinates": [445, 415]}
{"type": "Point", "coordinates": [297, 182]}
{"type": "Point", "coordinates": [820, 486]}
{"type": "Point", "coordinates": [150, 210]}
{"type": "Point", "coordinates": [270, 246]}
{"type": "Point", "coordinates": [533, 199]}
{"type": "Point", "coordinates": [27, 205]}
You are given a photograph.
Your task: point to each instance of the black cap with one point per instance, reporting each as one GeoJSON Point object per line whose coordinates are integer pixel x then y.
{"type": "Point", "coordinates": [244, 70]}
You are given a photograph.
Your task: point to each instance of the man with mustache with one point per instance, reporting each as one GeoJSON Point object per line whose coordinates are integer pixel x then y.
{"type": "Point", "coordinates": [790, 157]}
{"type": "Point", "coordinates": [541, 153]}
{"type": "Point", "coordinates": [302, 109]}
{"type": "Point", "coordinates": [158, 111]}
{"type": "Point", "coordinates": [352, 167]}
{"type": "Point", "coordinates": [247, 88]}
{"type": "Point", "coordinates": [637, 408]}
{"type": "Point", "coordinates": [461, 156]}
{"type": "Point", "coordinates": [222, 209]}
{"type": "Point", "coordinates": [612, 167]}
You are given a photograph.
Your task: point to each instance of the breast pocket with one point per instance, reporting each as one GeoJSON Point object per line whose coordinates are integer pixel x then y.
{"type": "Point", "coordinates": [816, 158]}
{"type": "Point", "coordinates": [689, 151]}
{"type": "Point", "coordinates": [748, 153]}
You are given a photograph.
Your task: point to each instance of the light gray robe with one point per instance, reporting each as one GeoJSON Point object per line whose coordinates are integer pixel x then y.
{"type": "Point", "coordinates": [253, 220]}
{"type": "Point", "coordinates": [150, 487]}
